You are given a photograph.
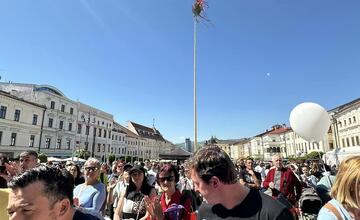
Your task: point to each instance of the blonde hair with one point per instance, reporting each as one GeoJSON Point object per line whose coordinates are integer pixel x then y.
{"type": "Point", "coordinates": [94, 161]}
{"type": "Point", "coordinates": [346, 187]}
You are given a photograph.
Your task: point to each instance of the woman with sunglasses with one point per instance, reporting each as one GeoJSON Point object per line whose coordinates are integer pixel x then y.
{"type": "Point", "coordinates": [91, 194]}
{"type": "Point", "coordinates": [131, 204]}
{"type": "Point", "coordinates": [172, 204]}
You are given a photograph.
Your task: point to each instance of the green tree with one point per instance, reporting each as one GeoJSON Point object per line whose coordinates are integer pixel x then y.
{"type": "Point", "coordinates": [314, 155]}
{"type": "Point", "coordinates": [82, 153]}
{"type": "Point", "coordinates": [111, 158]}
{"type": "Point", "coordinates": [42, 157]}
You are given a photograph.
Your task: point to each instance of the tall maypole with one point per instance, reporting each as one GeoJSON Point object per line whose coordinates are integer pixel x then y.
{"type": "Point", "coordinates": [198, 12]}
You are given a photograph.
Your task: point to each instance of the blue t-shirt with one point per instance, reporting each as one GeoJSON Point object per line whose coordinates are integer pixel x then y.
{"type": "Point", "coordinates": [326, 214]}
{"type": "Point", "coordinates": [91, 197]}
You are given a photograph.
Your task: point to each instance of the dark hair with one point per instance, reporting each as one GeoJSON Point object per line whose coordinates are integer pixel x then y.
{"type": "Point", "coordinates": [213, 161]}
{"type": "Point", "coordinates": [78, 179]}
{"type": "Point", "coordinates": [145, 187]}
{"type": "Point", "coordinates": [168, 168]}
{"type": "Point", "coordinates": [29, 153]}
{"type": "Point", "coordinates": [3, 158]}
{"type": "Point", "coordinates": [58, 184]}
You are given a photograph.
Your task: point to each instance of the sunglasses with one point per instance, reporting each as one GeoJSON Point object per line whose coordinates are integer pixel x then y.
{"type": "Point", "coordinates": [90, 169]}
{"type": "Point", "coordinates": [167, 178]}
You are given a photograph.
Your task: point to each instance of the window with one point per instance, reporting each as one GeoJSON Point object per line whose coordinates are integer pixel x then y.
{"type": "Point", "coordinates": [104, 147]}
{"type": "Point", "coordinates": [86, 145]}
{"type": "Point", "coordinates": [87, 130]}
{"type": "Point", "coordinates": [112, 137]}
{"type": "Point", "coordinates": [32, 140]}
{"type": "Point", "coordinates": [109, 134]}
{"type": "Point", "coordinates": [99, 132]}
{"type": "Point", "coordinates": [52, 105]}
{"type": "Point", "coordinates": [70, 126]}
{"type": "Point", "coordinates": [47, 143]}
{"type": "Point", "coordinates": [98, 148]}
{"type": "Point", "coordinates": [344, 122]}
{"type": "Point", "coordinates": [339, 123]}
{"type": "Point", "coordinates": [61, 125]}
{"type": "Point", "coordinates": [58, 143]}
{"type": "Point", "coordinates": [108, 147]}
{"type": "Point", "coordinates": [94, 132]}
{"type": "Point", "coordinates": [51, 122]}
{"type": "Point", "coordinates": [354, 119]}
{"type": "Point", "coordinates": [3, 112]}
{"type": "Point", "coordinates": [17, 115]}
{"type": "Point", "coordinates": [71, 111]}
{"type": "Point", "coordinates": [357, 140]}
{"type": "Point", "coordinates": [35, 117]}
{"type": "Point", "coordinates": [104, 133]}
{"type": "Point", "coordinates": [349, 121]}
{"type": "Point", "coordinates": [13, 139]}
{"type": "Point", "coordinates": [343, 142]}
{"type": "Point", "coordinates": [79, 129]}
{"type": "Point", "coordinates": [62, 108]}
{"type": "Point", "coordinates": [1, 133]}
{"type": "Point", "coordinates": [353, 141]}
{"type": "Point", "coordinates": [348, 142]}
{"type": "Point", "coordinates": [68, 143]}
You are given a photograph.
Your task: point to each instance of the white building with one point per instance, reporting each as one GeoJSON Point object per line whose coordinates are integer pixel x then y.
{"type": "Point", "coordinates": [345, 125]}
{"type": "Point", "coordinates": [20, 124]}
{"type": "Point", "coordinates": [94, 129]}
{"type": "Point", "coordinates": [152, 143]}
{"type": "Point", "coordinates": [58, 137]}
{"type": "Point", "coordinates": [118, 138]}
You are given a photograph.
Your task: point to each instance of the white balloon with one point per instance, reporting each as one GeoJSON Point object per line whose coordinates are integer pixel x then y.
{"type": "Point", "coordinates": [310, 121]}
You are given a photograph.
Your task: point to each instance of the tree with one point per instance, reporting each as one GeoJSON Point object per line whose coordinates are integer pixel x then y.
{"type": "Point", "coordinates": [42, 157]}
{"type": "Point", "coordinates": [111, 158]}
{"type": "Point", "coordinates": [314, 155]}
{"type": "Point", "coordinates": [84, 154]}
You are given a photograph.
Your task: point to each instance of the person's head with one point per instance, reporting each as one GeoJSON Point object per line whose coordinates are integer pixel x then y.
{"type": "Point", "coordinates": [126, 176]}
{"type": "Point", "coordinates": [91, 170]}
{"type": "Point", "coordinates": [211, 167]}
{"type": "Point", "coordinates": [104, 168]}
{"type": "Point", "coordinates": [119, 167]}
{"type": "Point", "coordinates": [277, 161]}
{"type": "Point", "coordinates": [167, 177]}
{"type": "Point", "coordinates": [137, 174]}
{"type": "Point", "coordinates": [305, 170]}
{"type": "Point", "coordinates": [3, 159]}
{"type": "Point", "coordinates": [249, 163]}
{"type": "Point", "coordinates": [69, 164]}
{"type": "Point", "coordinates": [41, 193]}
{"type": "Point", "coordinates": [346, 188]}
{"type": "Point", "coordinates": [28, 160]}
{"type": "Point", "coordinates": [74, 171]}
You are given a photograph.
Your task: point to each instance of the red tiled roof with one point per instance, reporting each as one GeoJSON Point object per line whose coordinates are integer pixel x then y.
{"type": "Point", "coordinates": [279, 130]}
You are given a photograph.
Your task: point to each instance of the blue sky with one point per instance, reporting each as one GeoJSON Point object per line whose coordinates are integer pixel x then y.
{"type": "Point", "coordinates": [256, 60]}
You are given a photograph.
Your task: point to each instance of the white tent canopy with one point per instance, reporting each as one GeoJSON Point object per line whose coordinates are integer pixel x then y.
{"type": "Point", "coordinates": [74, 159]}
{"type": "Point", "coordinates": [54, 159]}
{"type": "Point", "coordinates": [336, 156]}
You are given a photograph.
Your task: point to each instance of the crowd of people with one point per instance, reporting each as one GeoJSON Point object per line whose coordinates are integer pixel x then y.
{"type": "Point", "coordinates": [206, 186]}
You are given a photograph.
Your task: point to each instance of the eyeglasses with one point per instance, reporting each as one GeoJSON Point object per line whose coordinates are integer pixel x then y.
{"type": "Point", "coordinates": [167, 178]}
{"type": "Point", "coordinates": [90, 169]}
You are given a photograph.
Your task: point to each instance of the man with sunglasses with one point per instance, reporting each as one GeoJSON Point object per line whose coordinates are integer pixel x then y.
{"type": "Point", "coordinates": [214, 176]}
{"type": "Point", "coordinates": [91, 194]}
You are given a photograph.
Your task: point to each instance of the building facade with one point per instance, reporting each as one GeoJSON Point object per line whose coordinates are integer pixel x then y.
{"type": "Point", "coordinates": [20, 124]}
{"type": "Point", "coordinates": [58, 136]}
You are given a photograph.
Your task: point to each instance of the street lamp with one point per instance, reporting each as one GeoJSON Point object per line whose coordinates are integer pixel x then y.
{"type": "Point", "coordinates": [86, 118]}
